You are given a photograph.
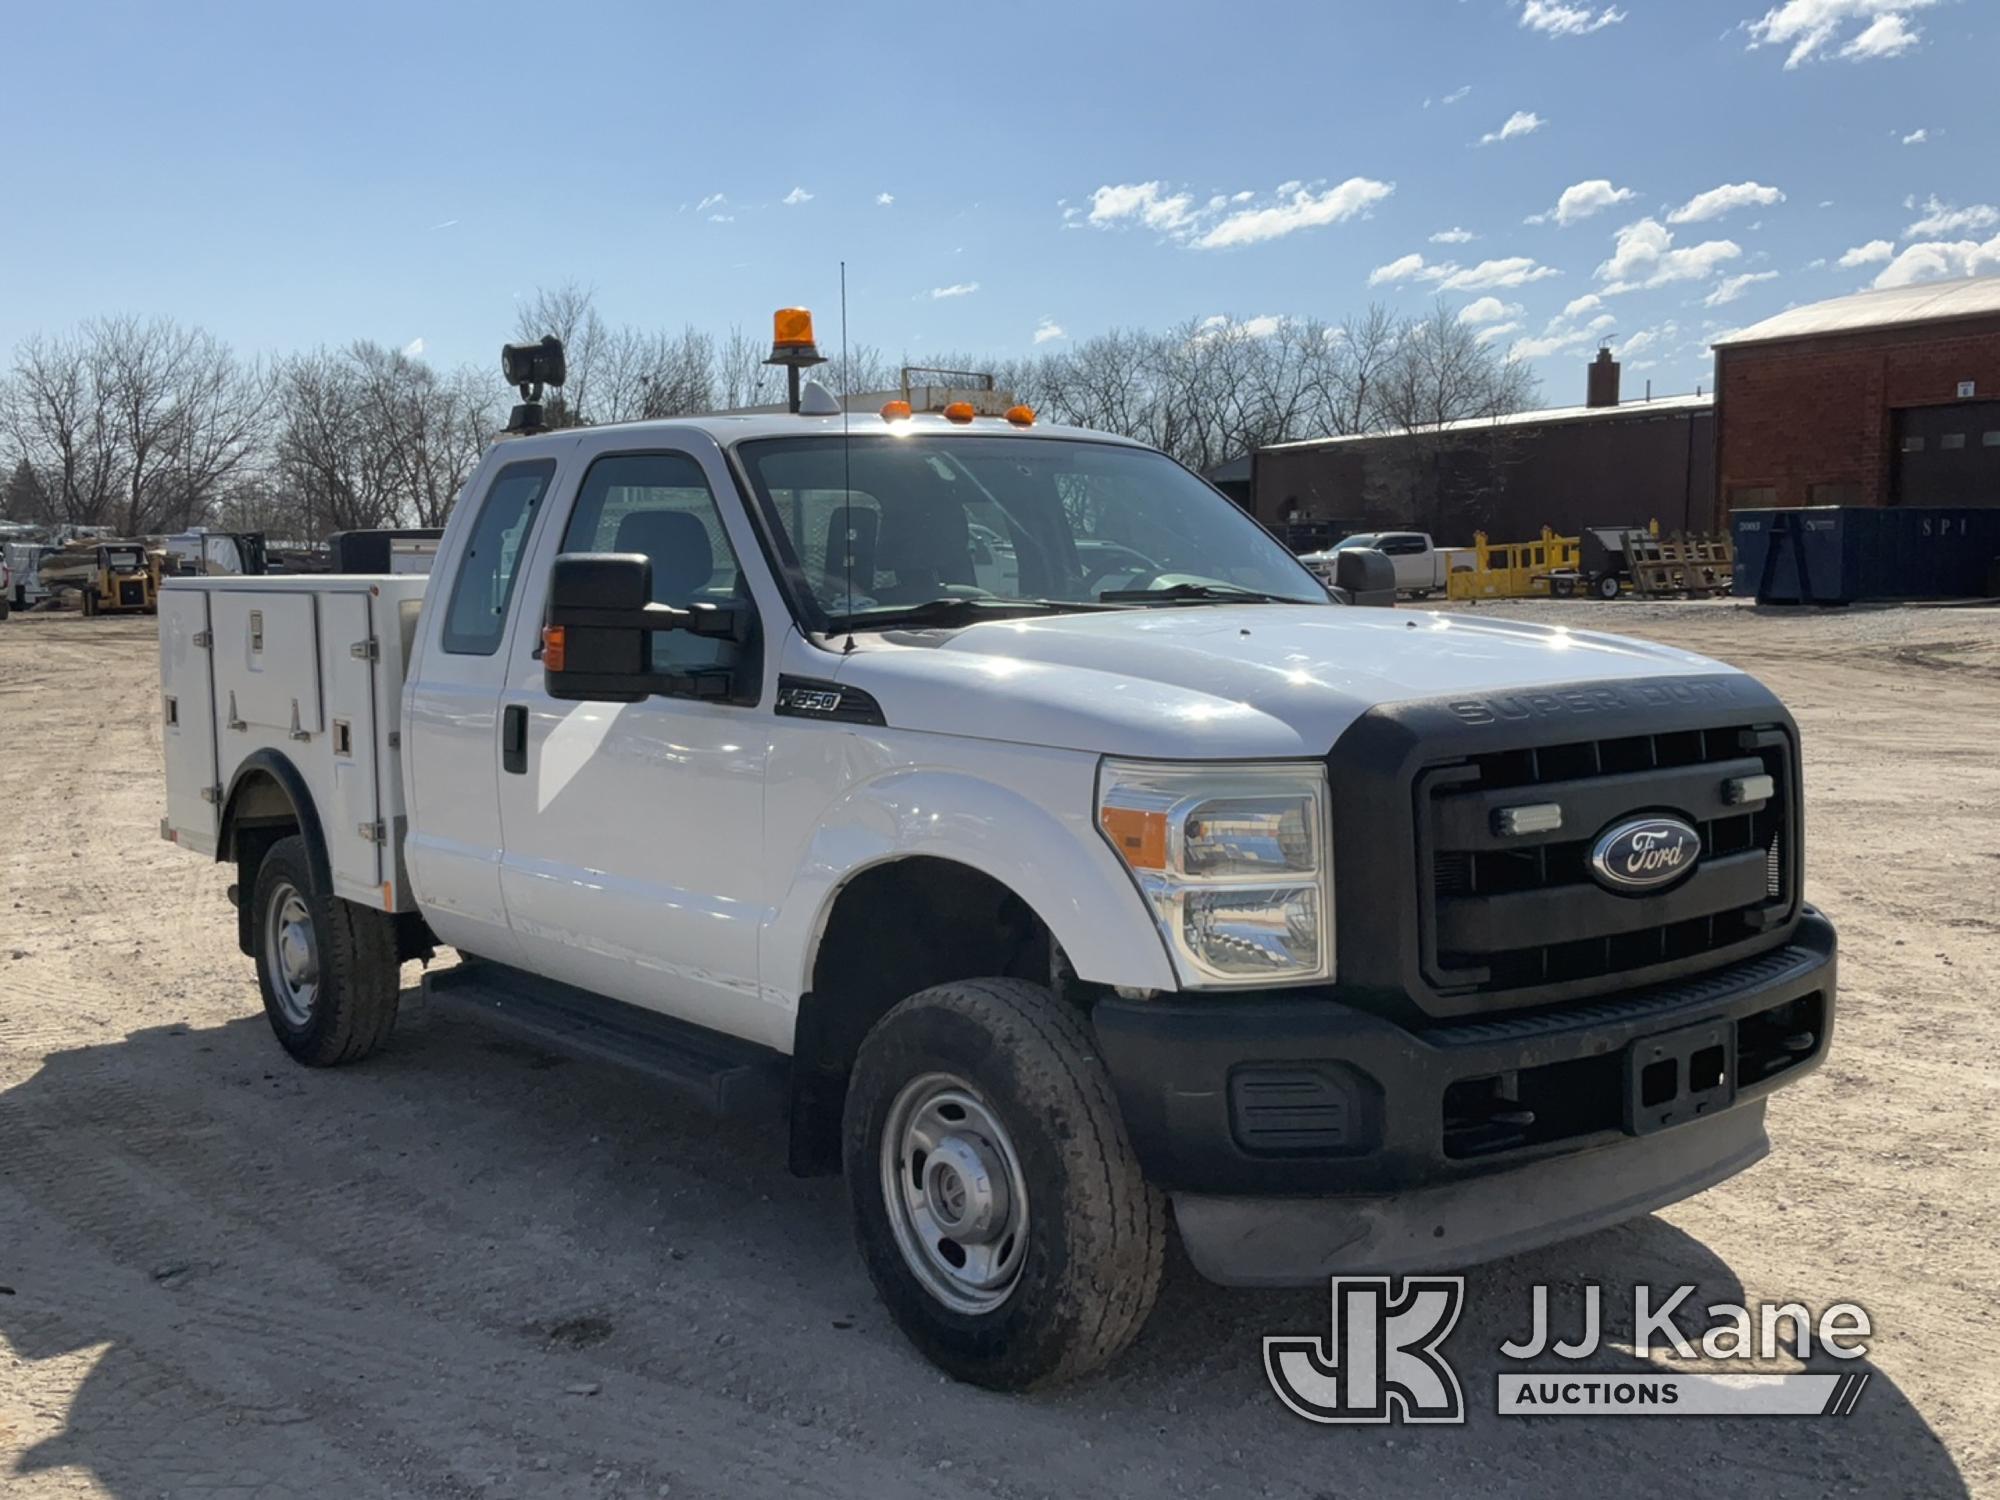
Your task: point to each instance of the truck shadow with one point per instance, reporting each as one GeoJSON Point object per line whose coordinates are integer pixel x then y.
{"type": "Point", "coordinates": [472, 1267]}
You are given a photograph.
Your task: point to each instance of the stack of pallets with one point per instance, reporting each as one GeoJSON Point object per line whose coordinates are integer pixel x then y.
{"type": "Point", "coordinates": [1700, 565]}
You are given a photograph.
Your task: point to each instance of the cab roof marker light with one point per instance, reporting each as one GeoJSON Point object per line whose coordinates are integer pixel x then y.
{"type": "Point", "coordinates": [960, 412]}
{"type": "Point", "coordinates": [1022, 415]}
{"type": "Point", "coordinates": [895, 411]}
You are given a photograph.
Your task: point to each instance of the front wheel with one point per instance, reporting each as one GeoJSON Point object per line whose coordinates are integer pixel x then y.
{"type": "Point", "coordinates": [1607, 587]}
{"type": "Point", "coordinates": [327, 968]}
{"type": "Point", "coordinates": [998, 1205]}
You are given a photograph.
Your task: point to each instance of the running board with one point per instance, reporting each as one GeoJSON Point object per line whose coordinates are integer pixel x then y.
{"type": "Point", "coordinates": [722, 1073]}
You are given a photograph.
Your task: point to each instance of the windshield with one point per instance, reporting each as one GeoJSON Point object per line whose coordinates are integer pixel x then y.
{"type": "Point", "coordinates": [1364, 539]}
{"type": "Point", "coordinates": [1042, 522]}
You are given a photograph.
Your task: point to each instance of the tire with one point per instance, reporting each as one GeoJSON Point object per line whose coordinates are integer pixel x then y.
{"type": "Point", "coordinates": [1084, 1269]}
{"type": "Point", "coordinates": [1563, 588]}
{"type": "Point", "coordinates": [327, 968]}
{"type": "Point", "coordinates": [1607, 587]}
{"type": "Point", "coordinates": [90, 604]}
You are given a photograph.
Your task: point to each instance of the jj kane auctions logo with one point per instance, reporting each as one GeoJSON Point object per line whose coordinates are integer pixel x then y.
{"type": "Point", "coordinates": [1382, 1360]}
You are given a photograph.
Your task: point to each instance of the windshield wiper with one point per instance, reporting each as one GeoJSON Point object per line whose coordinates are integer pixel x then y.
{"type": "Point", "coordinates": [951, 611]}
{"type": "Point", "coordinates": [1198, 593]}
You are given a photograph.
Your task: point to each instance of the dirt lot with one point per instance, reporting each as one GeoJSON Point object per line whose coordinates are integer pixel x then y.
{"type": "Point", "coordinates": [467, 1268]}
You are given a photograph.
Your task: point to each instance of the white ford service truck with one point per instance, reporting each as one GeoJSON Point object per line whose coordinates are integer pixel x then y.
{"type": "Point", "coordinates": [1001, 807]}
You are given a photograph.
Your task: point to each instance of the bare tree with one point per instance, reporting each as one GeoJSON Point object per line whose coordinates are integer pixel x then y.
{"type": "Point", "coordinates": [56, 424]}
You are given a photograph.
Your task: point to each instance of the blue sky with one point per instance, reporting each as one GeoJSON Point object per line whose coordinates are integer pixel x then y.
{"type": "Point", "coordinates": [287, 176]}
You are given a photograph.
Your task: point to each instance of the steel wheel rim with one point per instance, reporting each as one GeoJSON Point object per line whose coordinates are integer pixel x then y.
{"type": "Point", "coordinates": [957, 1201]}
{"type": "Point", "coordinates": [291, 954]}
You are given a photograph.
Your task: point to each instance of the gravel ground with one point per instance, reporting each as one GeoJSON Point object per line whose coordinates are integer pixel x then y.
{"type": "Point", "coordinates": [468, 1268]}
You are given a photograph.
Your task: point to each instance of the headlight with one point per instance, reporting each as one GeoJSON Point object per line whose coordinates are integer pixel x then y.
{"type": "Point", "coordinates": [1233, 860]}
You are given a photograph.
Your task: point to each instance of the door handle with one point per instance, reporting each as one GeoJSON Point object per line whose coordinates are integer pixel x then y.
{"type": "Point", "coordinates": [514, 738]}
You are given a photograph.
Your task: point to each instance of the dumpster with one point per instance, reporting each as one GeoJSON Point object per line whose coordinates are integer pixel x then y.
{"type": "Point", "coordinates": [1840, 554]}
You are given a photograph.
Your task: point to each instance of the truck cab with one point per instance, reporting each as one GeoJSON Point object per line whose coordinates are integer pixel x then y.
{"type": "Point", "coordinates": [999, 808]}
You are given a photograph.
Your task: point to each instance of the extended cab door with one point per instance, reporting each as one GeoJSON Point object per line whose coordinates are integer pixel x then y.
{"type": "Point", "coordinates": [1414, 560]}
{"type": "Point", "coordinates": [634, 831]}
{"type": "Point", "coordinates": [453, 847]}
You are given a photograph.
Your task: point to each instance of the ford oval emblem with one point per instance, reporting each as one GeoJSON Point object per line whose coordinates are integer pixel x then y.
{"type": "Point", "coordinates": [1644, 854]}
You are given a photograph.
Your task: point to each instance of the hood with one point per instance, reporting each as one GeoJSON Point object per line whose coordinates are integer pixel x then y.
{"type": "Point", "coordinates": [1220, 681]}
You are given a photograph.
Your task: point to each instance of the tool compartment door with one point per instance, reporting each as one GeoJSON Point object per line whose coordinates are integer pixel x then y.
{"type": "Point", "coordinates": [187, 710]}
{"type": "Point", "coordinates": [356, 837]}
{"type": "Point", "coordinates": [267, 658]}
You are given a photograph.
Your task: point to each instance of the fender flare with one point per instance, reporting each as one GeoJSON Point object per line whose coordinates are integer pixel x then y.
{"type": "Point", "coordinates": [1068, 876]}
{"type": "Point", "coordinates": [271, 763]}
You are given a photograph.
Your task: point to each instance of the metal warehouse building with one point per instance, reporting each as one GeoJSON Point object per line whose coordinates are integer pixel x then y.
{"type": "Point", "coordinates": [1606, 463]}
{"type": "Point", "coordinates": [1883, 398]}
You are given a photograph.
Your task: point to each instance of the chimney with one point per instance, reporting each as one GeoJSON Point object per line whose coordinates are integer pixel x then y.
{"type": "Point", "coordinates": [1603, 386]}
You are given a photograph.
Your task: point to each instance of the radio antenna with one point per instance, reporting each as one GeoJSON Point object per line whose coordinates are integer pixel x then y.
{"type": "Point", "coordinates": [846, 462]}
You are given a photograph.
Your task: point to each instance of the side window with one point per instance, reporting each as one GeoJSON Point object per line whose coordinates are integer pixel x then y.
{"type": "Point", "coordinates": [660, 504]}
{"type": "Point", "coordinates": [476, 618]}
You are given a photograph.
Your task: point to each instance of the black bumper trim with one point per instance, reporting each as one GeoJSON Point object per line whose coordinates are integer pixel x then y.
{"type": "Point", "coordinates": [1171, 1061]}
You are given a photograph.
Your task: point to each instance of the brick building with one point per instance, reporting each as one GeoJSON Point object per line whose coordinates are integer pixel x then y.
{"type": "Point", "coordinates": [1883, 398]}
{"type": "Point", "coordinates": [1610, 462]}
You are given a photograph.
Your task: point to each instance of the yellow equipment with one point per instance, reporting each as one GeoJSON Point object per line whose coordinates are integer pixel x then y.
{"type": "Point", "coordinates": [1512, 570]}
{"type": "Point", "coordinates": [126, 580]}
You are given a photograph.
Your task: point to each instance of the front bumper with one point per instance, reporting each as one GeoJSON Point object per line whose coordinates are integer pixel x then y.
{"type": "Point", "coordinates": [1409, 1151]}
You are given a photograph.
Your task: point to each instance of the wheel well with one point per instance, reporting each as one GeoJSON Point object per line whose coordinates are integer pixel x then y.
{"type": "Point", "coordinates": [893, 930]}
{"type": "Point", "coordinates": [259, 812]}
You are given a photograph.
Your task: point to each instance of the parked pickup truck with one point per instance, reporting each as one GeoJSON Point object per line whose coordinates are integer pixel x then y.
{"type": "Point", "coordinates": [1422, 568]}
{"type": "Point", "coordinates": [803, 770]}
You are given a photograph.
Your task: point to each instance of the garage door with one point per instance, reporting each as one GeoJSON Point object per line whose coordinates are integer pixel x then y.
{"type": "Point", "coordinates": [1948, 455]}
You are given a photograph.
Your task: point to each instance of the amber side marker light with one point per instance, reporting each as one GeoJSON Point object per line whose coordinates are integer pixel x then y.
{"type": "Point", "coordinates": [959, 411]}
{"type": "Point", "coordinates": [554, 644]}
{"type": "Point", "coordinates": [1141, 837]}
{"type": "Point", "coordinates": [895, 411]}
{"type": "Point", "coordinates": [1021, 416]}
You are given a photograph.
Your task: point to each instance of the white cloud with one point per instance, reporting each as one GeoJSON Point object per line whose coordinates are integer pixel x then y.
{"type": "Point", "coordinates": [956, 289]}
{"type": "Point", "coordinates": [1731, 287]}
{"type": "Point", "coordinates": [1400, 269]}
{"type": "Point", "coordinates": [1147, 203]}
{"type": "Point", "coordinates": [883, 200]}
{"type": "Point", "coordinates": [1453, 236]}
{"type": "Point", "coordinates": [1583, 304]}
{"type": "Point", "coordinates": [722, 218]}
{"type": "Point", "coordinates": [1718, 201]}
{"type": "Point", "coordinates": [1562, 333]}
{"type": "Point", "coordinates": [1871, 254]}
{"type": "Point", "coordinates": [414, 349]}
{"type": "Point", "coordinates": [1226, 219]}
{"type": "Point", "coordinates": [1886, 36]}
{"type": "Point", "coordinates": [1498, 331]}
{"type": "Point", "coordinates": [1646, 338]}
{"type": "Point", "coordinates": [1941, 219]}
{"type": "Point", "coordinates": [1457, 94]}
{"type": "Point", "coordinates": [1488, 310]}
{"type": "Point", "coordinates": [1048, 328]}
{"type": "Point", "coordinates": [1555, 18]}
{"type": "Point", "coordinates": [1582, 199]}
{"type": "Point", "coordinates": [1806, 26]}
{"type": "Point", "coordinates": [448, 223]}
{"type": "Point", "coordinates": [1645, 256]}
{"type": "Point", "coordinates": [1521, 122]}
{"type": "Point", "coordinates": [1217, 324]}
{"type": "Point", "coordinates": [1937, 260]}
{"type": "Point", "coordinates": [1305, 209]}
{"type": "Point", "coordinates": [713, 200]}
{"type": "Point", "coordinates": [1449, 276]}
{"type": "Point", "coordinates": [1916, 137]}
{"type": "Point", "coordinates": [796, 196]}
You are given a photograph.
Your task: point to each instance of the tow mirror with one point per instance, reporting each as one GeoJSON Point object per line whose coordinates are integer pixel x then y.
{"type": "Point", "coordinates": [1363, 575]}
{"type": "Point", "coordinates": [597, 636]}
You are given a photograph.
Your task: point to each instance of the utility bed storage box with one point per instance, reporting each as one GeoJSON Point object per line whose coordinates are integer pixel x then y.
{"type": "Point", "coordinates": [1835, 554]}
{"type": "Point", "coordinates": [304, 669]}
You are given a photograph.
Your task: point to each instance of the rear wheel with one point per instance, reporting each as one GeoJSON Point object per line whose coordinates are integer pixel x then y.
{"type": "Point", "coordinates": [998, 1204]}
{"type": "Point", "coordinates": [327, 968]}
{"type": "Point", "coordinates": [89, 603]}
{"type": "Point", "coordinates": [1607, 587]}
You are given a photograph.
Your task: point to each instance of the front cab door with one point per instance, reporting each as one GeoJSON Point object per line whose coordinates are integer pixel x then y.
{"type": "Point", "coordinates": [633, 831]}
